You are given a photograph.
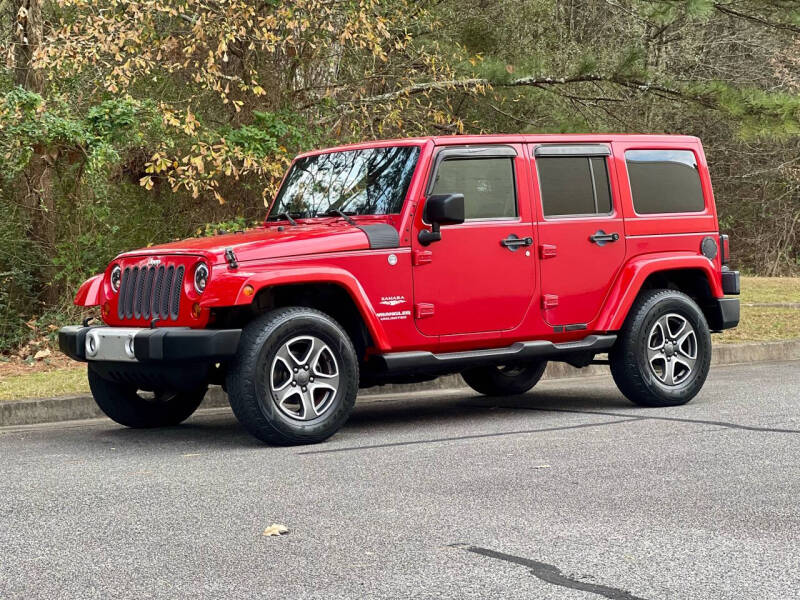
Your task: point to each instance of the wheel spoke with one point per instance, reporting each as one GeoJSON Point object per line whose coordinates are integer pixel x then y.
{"type": "Point", "coordinates": [669, 373]}
{"type": "Point", "coordinates": [307, 398]}
{"type": "Point", "coordinates": [313, 344]}
{"type": "Point", "coordinates": [688, 364]}
{"type": "Point", "coordinates": [658, 364]}
{"type": "Point", "coordinates": [284, 394]}
{"type": "Point", "coordinates": [687, 345]}
{"type": "Point", "coordinates": [657, 336]}
{"type": "Point", "coordinates": [674, 334]}
{"type": "Point", "coordinates": [331, 384]}
{"type": "Point", "coordinates": [285, 355]}
{"type": "Point", "coordinates": [656, 354]}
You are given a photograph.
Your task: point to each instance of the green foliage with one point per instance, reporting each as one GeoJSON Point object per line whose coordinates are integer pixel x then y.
{"type": "Point", "coordinates": [229, 226]}
{"type": "Point", "coordinates": [758, 114]}
{"type": "Point", "coordinates": [19, 266]}
{"type": "Point", "coordinates": [269, 132]}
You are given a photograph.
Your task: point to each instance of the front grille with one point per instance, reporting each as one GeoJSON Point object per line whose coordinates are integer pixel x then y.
{"type": "Point", "coordinates": [151, 292]}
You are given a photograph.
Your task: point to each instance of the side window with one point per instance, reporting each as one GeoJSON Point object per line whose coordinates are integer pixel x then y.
{"type": "Point", "coordinates": [574, 185]}
{"type": "Point", "coordinates": [487, 185]}
{"type": "Point", "coordinates": [664, 181]}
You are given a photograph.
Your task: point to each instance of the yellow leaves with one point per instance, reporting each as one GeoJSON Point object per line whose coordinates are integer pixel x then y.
{"type": "Point", "coordinates": [198, 163]}
{"type": "Point", "coordinates": [190, 123]}
{"type": "Point", "coordinates": [146, 182]}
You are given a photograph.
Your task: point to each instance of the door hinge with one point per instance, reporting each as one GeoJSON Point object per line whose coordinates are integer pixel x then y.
{"type": "Point", "coordinates": [549, 301]}
{"type": "Point", "coordinates": [422, 310]}
{"type": "Point", "coordinates": [421, 257]}
{"type": "Point", "coordinates": [547, 251]}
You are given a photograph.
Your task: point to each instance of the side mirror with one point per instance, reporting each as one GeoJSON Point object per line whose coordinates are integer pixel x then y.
{"type": "Point", "coordinates": [441, 209]}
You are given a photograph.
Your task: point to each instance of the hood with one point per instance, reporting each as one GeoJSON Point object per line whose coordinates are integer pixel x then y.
{"type": "Point", "coordinates": [265, 242]}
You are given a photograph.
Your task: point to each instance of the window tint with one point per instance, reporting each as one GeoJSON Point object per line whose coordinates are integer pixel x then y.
{"type": "Point", "coordinates": [664, 181]}
{"type": "Point", "coordinates": [574, 185]}
{"type": "Point", "coordinates": [487, 185]}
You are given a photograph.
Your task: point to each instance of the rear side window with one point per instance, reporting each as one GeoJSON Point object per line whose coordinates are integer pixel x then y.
{"type": "Point", "coordinates": [487, 185]}
{"type": "Point", "coordinates": [574, 185]}
{"type": "Point", "coordinates": [664, 181]}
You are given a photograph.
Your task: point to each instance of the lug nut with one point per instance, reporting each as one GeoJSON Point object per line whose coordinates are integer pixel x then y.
{"type": "Point", "coordinates": [295, 369]}
{"type": "Point", "coordinates": [311, 379]}
{"type": "Point", "coordinates": [306, 367]}
{"type": "Point", "coordinates": [304, 389]}
{"type": "Point", "coordinates": [294, 383]}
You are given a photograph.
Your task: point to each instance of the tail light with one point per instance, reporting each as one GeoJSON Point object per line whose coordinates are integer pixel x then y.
{"type": "Point", "coordinates": [725, 251]}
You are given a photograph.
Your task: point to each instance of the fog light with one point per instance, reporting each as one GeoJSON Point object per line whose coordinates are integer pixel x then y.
{"type": "Point", "coordinates": [248, 290]}
{"type": "Point", "coordinates": [196, 310]}
{"type": "Point", "coordinates": [106, 309]}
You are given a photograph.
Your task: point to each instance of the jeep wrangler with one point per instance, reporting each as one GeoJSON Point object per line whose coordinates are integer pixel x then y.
{"type": "Point", "coordinates": [399, 261]}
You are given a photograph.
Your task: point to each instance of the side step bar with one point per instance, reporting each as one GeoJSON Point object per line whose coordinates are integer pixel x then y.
{"type": "Point", "coordinates": [406, 363]}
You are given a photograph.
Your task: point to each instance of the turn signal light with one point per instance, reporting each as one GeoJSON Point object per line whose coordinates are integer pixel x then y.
{"type": "Point", "coordinates": [106, 309]}
{"type": "Point", "coordinates": [248, 290]}
{"type": "Point", "coordinates": [196, 310]}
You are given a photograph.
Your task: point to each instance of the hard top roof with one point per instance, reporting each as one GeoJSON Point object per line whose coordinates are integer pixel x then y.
{"type": "Point", "coordinates": [510, 138]}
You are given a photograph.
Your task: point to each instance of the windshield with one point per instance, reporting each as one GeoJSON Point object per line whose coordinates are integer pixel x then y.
{"type": "Point", "coordinates": [373, 181]}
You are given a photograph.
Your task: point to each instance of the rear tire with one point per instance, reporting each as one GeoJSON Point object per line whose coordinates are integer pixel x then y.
{"type": "Point", "coordinates": [127, 406]}
{"type": "Point", "coordinates": [294, 379]}
{"type": "Point", "coordinates": [504, 380]}
{"type": "Point", "coordinates": [663, 353]}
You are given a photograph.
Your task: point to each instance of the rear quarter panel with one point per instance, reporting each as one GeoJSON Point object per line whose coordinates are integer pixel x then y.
{"type": "Point", "coordinates": [660, 242]}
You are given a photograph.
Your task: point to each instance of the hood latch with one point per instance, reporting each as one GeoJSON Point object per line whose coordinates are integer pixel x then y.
{"type": "Point", "coordinates": [231, 258]}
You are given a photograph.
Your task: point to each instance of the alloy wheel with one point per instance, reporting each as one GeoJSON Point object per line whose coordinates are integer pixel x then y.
{"type": "Point", "coordinates": [304, 378]}
{"type": "Point", "coordinates": [672, 349]}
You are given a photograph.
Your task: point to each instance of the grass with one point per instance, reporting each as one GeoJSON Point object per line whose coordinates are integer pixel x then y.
{"type": "Point", "coordinates": [758, 324]}
{"type": "Point", "coordinates": [62, 382]}
{"type": "Point", "coordinates": [766, 323]}
{"type": "Point", "coordinates": [770, 290]}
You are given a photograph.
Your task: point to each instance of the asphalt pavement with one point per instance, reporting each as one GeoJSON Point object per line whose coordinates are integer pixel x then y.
{"type": "Point", "coordinates": [566, 492]}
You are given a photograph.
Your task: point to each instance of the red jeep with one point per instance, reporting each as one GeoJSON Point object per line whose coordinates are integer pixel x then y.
{"type": "Point", "coordinates": [402, 260]}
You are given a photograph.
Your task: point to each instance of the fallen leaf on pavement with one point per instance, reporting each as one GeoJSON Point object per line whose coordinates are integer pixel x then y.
{"type": "Point", "coordinates": [276, 529]}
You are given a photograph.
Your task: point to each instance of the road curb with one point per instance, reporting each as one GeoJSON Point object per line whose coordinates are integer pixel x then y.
{"type": "Point", "coordinates": [74, 408]}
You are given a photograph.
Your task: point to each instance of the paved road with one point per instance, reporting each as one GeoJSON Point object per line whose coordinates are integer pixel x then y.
{"type": "Point", "coordinates": [567, 492]}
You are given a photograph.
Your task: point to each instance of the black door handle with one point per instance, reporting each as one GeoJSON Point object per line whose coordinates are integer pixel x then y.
{"type": "Point", "coordinates": [601, 238]}
{"type": "Point", "coordinates": [513, 242]}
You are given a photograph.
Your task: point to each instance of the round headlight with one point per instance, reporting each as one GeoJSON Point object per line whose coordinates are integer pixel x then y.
{"type": "Point", "coordinates": [116, 278]}
{"type": "Point", "coordinates": [200, 277]}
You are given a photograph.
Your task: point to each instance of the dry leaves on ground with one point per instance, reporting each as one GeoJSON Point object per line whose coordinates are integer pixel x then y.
{"type": "Point", "coordinates": [276, 529]}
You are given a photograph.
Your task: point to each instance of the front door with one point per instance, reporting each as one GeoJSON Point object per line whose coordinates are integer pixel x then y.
{"type": "Point", "coordinates": [581, 240]}
{"type": "Point", "coordinates": [480, 276]}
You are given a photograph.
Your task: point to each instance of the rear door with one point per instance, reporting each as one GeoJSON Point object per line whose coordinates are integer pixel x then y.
{"type": "Point", "coordinates": [581, 241]}
{"type": "Point", "coordinates": [480, 276]}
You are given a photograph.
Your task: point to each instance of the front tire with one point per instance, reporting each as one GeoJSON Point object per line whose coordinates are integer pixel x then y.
{"type": "Point", "coordinates": [663, 353]}
{"type": "Point", "coordinates": [294, 379]}
{"type": "Point", "coordinates": [504, 380]}
{"type": "Point", "coordinates": [127, 406]}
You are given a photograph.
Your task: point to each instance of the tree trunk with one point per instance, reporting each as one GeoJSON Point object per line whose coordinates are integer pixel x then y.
{"type": "Point", "coordinates": [37, 189]}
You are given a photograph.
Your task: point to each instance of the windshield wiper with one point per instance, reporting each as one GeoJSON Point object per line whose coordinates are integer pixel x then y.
{"type": "Point", "coordinates": [284, 215]}
{"type": "Point", "coordinates": [339, 213]}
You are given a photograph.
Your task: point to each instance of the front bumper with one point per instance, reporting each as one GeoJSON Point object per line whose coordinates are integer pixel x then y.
{"type": "Point", "coordinates": [141, 345]}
